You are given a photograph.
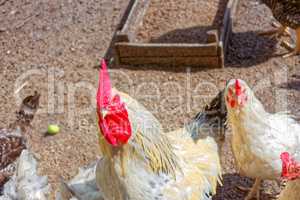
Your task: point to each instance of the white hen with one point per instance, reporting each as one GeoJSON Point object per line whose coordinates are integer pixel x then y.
{"type": "Point", "coordinates": [259, 137]}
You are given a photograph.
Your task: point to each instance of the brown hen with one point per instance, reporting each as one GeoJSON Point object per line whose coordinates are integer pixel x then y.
{"type": "Point", "coordinates": [12, 140]}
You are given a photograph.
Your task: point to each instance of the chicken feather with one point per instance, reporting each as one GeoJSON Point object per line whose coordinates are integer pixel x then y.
{"type": "Point", "coordinates": [158, 165]}
{"type": "Point", "coordinates": [259, 137]}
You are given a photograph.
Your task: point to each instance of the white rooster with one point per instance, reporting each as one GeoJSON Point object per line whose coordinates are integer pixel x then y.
{"type": "Point", "coordinates": [201, 149]}
{"type": "Point", "coordinates": [140, 161]}
{"type": "Point", "coordinates": [258, 136]}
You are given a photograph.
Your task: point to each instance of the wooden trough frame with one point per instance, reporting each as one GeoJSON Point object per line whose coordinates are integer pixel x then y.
{"type": "Point", "coordinates": [210, 54]}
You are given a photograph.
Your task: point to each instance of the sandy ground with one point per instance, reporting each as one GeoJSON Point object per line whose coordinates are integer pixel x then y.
{"type": "Point", "coordinates": [55, 45]}
{"type": "Point", "coordinates": [175, 21]}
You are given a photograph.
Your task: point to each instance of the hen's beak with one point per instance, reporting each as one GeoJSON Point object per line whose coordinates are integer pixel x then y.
{"type": "Point", "coordinates": [240, 101]}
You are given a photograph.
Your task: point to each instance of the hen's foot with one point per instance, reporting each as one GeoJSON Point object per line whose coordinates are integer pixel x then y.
{"type": "Point", "coordinates": [276, 33]}
{"type": "Point", "coordinates": [295, 50]}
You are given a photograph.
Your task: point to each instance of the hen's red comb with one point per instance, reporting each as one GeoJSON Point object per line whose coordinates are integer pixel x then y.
{"type": "Point", "coordinates": [104, 86]}
{"type": "Point", "coordinates": [290, 168]}
{"type": "Point", "coordinates": [238, 87]}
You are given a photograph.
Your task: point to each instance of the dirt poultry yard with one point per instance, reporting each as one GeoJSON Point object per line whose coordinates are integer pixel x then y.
{"type": "Point", "coordinates": [166, 16]}
{"type": "Point", "coordinates": [54, 47]}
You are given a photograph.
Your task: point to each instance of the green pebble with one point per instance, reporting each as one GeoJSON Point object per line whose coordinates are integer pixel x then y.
{"type": "Point", "coordinates": [53, 129]}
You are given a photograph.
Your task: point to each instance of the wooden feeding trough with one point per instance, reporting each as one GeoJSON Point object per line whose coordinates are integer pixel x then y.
{"type": "Point", "coordinates": [209, 53]}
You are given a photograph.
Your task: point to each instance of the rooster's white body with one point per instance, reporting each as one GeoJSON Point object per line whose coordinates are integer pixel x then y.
{"type": "Point", "coordinates": [192, 172]}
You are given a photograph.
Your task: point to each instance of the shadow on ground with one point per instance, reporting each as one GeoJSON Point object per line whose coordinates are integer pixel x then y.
{"type": "Point", "coordinates": [197, 34]}
{"type": "Point", "coordinates": [293, 84]}
{"type": "Point", "coordinates": [229, 190]}
{"type": "Point", "coordinates": [247, 49]}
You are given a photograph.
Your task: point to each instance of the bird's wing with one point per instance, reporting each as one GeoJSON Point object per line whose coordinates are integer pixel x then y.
{"type": "Point", "coordinates": [82, 186]}
{"type": "Point", "coordinates": [200, 164]}
{"type": "Point", "coordinates": [285, 131]}
{"type": "Point", "coordinates": [26, 183]}
{"type": "Point", "coordinates": [275, 134]}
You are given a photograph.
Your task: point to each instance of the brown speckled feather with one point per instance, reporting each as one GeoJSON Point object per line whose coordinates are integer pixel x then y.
{"type": "Point", "coordinates": [11, 147]}
{"type": "Point", "coordinates": [214, 115]}
{"type": "Point", "coordinates": [12, 140]}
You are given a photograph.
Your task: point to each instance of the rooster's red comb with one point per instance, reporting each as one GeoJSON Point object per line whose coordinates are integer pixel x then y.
{"type": "Point", "coordinates": [104, 86]}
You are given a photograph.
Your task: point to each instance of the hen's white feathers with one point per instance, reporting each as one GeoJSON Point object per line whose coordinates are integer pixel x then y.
{"type": "Point", "coordinates": [260, 137]}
